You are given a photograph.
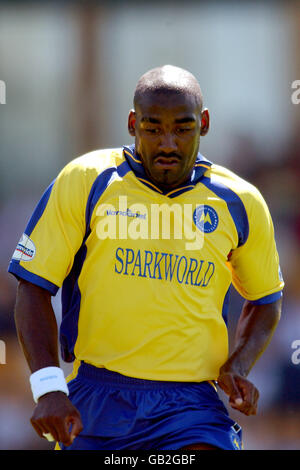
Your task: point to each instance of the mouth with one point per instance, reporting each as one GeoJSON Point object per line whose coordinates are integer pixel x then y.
{"type": "Point", "coordinates": [166, 163]}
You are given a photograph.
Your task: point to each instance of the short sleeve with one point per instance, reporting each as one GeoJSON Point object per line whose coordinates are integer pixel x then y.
{"type": "Point", "coordinates": [46, 250]}
{"type": "Point", "coordinates": [255, 265]}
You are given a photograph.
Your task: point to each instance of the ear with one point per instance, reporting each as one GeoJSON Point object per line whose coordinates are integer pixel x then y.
{"type": "Point", "coordinates": [131, 122]}
{"type": "Point", "coordinates": [204, 122]}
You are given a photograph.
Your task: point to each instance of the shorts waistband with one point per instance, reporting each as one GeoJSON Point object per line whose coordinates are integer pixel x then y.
{"type": "Point", "coordinates": [102, 375]}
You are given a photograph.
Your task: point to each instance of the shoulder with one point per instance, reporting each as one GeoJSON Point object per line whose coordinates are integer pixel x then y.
{"type": "Point", "coordinates": [77, 178]}
{"type": "Point", "coordinates": [230, 181]}
{"type": "Point", "coordinates": [92, 164]}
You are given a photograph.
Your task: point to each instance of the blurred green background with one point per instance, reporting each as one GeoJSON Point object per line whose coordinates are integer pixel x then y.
{"type": "Point", "coordinates": [70, 69]}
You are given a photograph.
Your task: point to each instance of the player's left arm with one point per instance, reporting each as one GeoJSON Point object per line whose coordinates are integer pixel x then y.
{"type": "Point", "coordinates": [255, 329]}
{"type": "Point", "coordinates": [257, 277]}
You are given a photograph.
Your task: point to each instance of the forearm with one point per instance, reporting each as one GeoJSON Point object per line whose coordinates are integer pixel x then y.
{"type": "Point", "coordinates": [36, 326]}
{"type": "Point", "coordinates": [37, 331]}
{"type": "Point", "coordinates": [254, 331]}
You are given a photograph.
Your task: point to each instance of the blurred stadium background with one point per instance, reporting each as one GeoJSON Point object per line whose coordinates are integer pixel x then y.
{"type": "Point", "coordinates": [70, 70]}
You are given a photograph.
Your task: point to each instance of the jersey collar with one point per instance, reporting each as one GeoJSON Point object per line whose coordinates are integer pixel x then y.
{"type": "Point", "coordinates": [135, 163]}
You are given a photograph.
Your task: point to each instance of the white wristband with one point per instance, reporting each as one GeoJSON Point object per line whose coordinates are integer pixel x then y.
{"type": "Point", "coordinates": [48, 379]}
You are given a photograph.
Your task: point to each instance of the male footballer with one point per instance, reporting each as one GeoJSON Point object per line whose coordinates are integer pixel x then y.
{"type": "Point", "coordinates": [144, 301]}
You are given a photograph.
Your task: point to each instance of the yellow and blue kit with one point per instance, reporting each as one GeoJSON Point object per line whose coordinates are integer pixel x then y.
{"type": "Point", "coordinates": [136, 301]}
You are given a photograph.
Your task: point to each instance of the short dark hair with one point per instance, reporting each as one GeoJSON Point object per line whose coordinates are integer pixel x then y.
{"type": "Point", "coordinates": [168, 80]}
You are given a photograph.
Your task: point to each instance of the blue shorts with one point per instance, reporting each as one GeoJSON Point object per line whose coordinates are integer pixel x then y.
{"type": "Point", "coordinates": [120, 412]}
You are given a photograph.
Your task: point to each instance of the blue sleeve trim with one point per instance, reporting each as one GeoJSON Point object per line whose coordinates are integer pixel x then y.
{"type": "Point", "coordinates": [100, 184]}
{"type": "Point", "coordinates": [39, 210]}
{"type": "Point", "coordinates": [20, 272]}
{"type": "Point", "coordinates": [235, 206]}
{"type": "Point", "coordinates": [71, 299]}
{"type": "Point", "coordinates": [268, 299]}
{"type": "Point", "coordinates": [225, 307]}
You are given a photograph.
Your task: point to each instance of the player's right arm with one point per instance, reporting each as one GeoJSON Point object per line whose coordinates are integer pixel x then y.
{"type": "Point", "coordinates": [42, 261]}
{"type": "Point", "coordinates": [37, 331]}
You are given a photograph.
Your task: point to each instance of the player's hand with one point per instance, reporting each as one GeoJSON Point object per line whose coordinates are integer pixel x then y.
{"type": "Point", "coordinates": [243, 395]}
{"type": "Point", "coordinates": [55, 414]}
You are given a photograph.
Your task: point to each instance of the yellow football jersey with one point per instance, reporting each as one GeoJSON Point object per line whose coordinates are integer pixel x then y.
{"type": "Point", "coordinates": [145, 274]}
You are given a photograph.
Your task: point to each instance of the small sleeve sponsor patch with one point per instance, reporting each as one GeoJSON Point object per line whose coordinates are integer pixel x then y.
{"type": "Point", "coordinates": [25, 250]}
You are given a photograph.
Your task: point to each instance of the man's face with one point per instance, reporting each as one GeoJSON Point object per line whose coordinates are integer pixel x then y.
{"type": "Point", "coordinates": [167, 133]}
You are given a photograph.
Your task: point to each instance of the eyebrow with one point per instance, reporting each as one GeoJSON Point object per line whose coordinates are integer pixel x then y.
{"type": "Point", "coordinates": [177, 121]}
{"type": "Point", "coordinates": [151, 120]}
{"type": "Point", "coordinates": [185, 119]}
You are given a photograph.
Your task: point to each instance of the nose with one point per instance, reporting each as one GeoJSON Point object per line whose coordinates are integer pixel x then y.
{"type": "Point", "coordinates": [168, 143]}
